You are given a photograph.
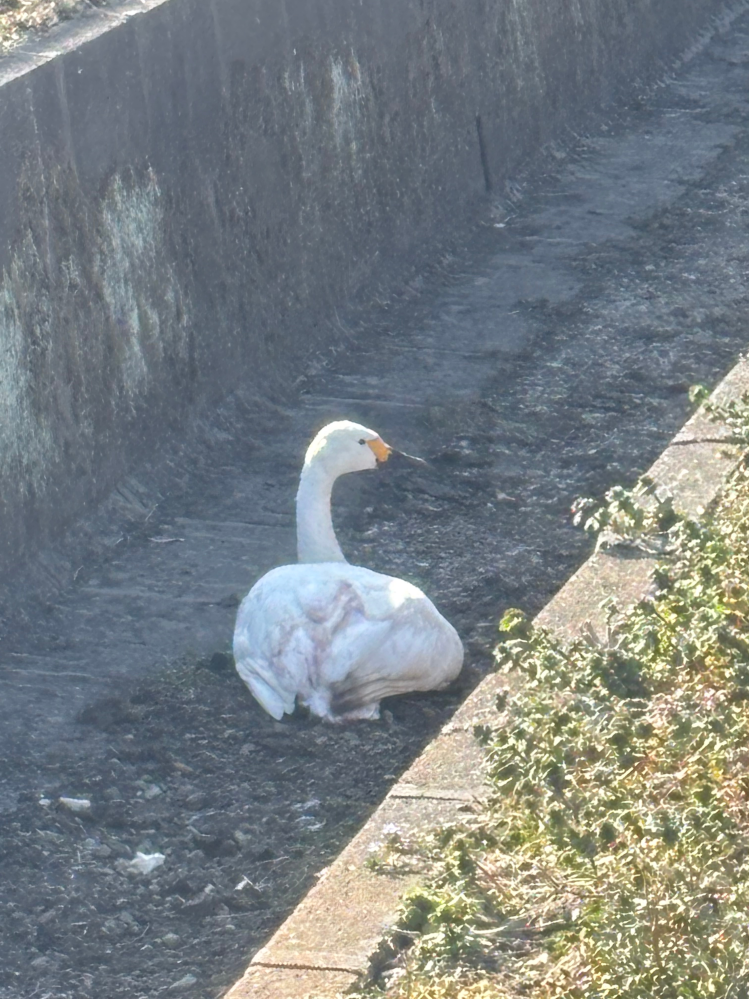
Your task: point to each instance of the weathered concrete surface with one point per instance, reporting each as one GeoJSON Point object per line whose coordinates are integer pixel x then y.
{"type": "Point", "coordinates": [546, 359]}
{"type": "Point", "coordinates": [188, 197]}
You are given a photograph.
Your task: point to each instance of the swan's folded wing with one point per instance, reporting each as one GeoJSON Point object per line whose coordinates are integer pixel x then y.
{"type": "Point", "coordinates": [419, 651]}
{"type": "Point", "coordinates": [272, 645]}
{"type": "Point", "coordinates": [299, 632]}
{"type": "Point", "coordinates": [340, 638]}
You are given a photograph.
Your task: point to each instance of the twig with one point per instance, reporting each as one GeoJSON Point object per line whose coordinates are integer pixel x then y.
{"type": "Point", "coordinates": [150, 512]}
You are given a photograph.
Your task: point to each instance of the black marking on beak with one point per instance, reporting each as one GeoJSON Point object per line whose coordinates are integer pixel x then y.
{"type": "Point", "coordinates": [409, 457]}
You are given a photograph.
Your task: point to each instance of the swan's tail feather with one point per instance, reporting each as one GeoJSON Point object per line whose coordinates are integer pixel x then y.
{"type": "Point", "coordinates": [269, 697]}
{"type": "Point", "coordinates": [350, 697]}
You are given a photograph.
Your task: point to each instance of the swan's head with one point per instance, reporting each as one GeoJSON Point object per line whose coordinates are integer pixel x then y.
{"type": "Point", "coordinates": [344, 446]}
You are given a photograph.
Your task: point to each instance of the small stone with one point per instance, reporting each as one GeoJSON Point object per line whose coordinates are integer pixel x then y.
{"type": "Point", "coordinates": [152, 791]}
{"type": "Point", "coordinates": [80, 806]}
{"type": "Point", "coordinates": [206, 903]}
{"type": "Point", "coordinates": [120, 849]}
{"type": "Point", "coordinates": [171, 940]}
{"type": "Point", "coordinates": [245, 885]}
{"type": "Point", "coordinates": [310, 804]}
{"type": "Point", "coordinates": [184, 982]}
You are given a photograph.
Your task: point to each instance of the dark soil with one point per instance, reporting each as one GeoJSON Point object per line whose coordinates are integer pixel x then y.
{"type": "Point", "coordinates": [248, 818]}
{"type": "Point", "coordinates": [548, 357]}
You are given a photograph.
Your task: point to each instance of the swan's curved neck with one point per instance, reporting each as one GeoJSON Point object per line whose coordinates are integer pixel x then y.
{"type": "Point", "coordinates": [315, 537]}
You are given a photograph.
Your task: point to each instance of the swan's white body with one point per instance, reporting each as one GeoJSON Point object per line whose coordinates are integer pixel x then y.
{"type": "Point", "coordinates": [338, 637]}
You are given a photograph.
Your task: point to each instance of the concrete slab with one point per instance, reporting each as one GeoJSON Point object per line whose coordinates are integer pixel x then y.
{"type": "Point", "coordinates": [694, 468]}
{"type": "Point", "coordinates": [604, 577]}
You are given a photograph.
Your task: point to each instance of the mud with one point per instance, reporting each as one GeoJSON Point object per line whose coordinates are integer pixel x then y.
{"type": "Point", "coordinates": [546, 357]}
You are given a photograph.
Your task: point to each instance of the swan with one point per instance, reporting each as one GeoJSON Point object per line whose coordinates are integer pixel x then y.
{"type": "Point", "coordinates": [334, 636]}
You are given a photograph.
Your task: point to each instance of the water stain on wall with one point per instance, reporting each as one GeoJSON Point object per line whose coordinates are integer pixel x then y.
{"type": "Point", "coordinates": [93, 323]}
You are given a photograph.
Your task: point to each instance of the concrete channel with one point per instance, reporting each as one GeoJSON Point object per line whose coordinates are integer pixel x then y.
{"type": "Point", "coordinates": [540, 348]}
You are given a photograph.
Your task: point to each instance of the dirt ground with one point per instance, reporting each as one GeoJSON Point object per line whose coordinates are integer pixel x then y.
{"type": "Point", "coordinates": [548, 355]}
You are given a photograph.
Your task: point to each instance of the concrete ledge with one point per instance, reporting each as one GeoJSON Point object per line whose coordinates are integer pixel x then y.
{"type": "Point", "coordinates": [695, 470]}
{"type": "Point", "coordinates": [336, 929]}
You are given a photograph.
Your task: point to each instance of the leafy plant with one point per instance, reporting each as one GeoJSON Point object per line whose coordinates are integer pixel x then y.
{"type": "Point", "coordinates": [634, 516]}
{"type": "Point", "coordinates": [612, 858]}
{"type": "Point", "coordinates": [734, 414]}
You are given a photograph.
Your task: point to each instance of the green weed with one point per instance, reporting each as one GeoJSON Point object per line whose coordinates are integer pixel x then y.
{"type": "Point", "coordinates": [612, 858]}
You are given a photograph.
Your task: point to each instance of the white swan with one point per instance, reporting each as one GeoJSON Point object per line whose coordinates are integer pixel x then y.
{"type": "Point", "coordinates": [336, 636]}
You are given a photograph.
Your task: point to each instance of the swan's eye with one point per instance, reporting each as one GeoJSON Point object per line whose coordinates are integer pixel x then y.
{"type": "Point", "coordinates": [362, 441]}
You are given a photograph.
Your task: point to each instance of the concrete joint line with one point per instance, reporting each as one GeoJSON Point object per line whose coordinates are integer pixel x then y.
{"type": "Point", "coordinates": [703, 440]}
{"type": "Point", "coordinates": [313, 962]}
{"type": "Point", "coordinates": [410, 791]}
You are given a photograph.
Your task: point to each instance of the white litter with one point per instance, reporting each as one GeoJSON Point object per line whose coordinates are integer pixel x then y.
{"type": "Point", "coordinates": [144, 863]}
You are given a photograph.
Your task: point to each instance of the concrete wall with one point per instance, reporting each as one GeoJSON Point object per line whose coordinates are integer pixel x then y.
{"type": "Point", "coordinates": [189, 188]}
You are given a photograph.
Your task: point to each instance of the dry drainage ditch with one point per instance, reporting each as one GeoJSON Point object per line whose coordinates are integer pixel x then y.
{"type": "Point", "coordinates": [548, 357]}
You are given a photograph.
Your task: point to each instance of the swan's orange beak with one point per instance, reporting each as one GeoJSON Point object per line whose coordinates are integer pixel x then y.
{"type": "Point", "coordinates": [382, 451]}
